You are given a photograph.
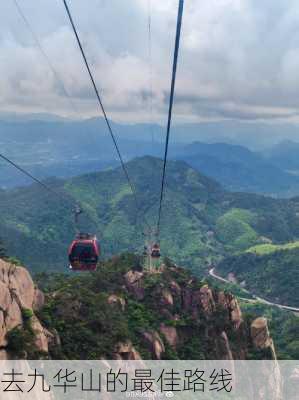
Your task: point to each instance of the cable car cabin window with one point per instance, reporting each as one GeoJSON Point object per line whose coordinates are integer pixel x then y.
{"type": "Point", "coordinates": [83, 252]}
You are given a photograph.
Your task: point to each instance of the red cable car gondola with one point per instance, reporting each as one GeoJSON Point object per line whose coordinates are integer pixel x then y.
{"type": "Point", "coordinates": [84, 253]}
{"type": "Point", "coordinates": [155, 253]}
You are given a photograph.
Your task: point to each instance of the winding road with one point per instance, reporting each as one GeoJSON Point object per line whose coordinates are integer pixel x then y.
{"type": "Point", "coordinates": [255, 299]}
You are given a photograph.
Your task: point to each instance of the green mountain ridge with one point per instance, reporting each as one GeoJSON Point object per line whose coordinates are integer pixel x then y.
{"type": "Point", "coordinates": [201, 222]}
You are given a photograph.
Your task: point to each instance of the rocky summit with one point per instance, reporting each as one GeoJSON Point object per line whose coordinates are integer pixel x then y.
{"type": "Point", "coordinates": [124, 312]}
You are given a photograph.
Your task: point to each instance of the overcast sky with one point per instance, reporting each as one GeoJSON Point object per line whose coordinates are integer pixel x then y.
{"type": "Point", "coordinates": [239, 59]}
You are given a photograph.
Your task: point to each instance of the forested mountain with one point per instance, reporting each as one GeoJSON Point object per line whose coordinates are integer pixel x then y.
{"type": "Point", "coordinates": [202, 224]}
{"type": "Point", "coordinates": [201, 221]}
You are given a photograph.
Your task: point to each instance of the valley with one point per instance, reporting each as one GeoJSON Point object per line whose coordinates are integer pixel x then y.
{"type": "Point", "coordinates": [202, 224]}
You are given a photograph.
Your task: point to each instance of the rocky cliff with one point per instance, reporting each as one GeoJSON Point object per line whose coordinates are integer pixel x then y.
{"type": "Point", "coordinates": [123, 313]}
{"type": "Point", "coordinates": [19, 300]}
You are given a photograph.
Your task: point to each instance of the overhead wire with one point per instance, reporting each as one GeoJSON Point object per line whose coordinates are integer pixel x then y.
{"type": "Point", "coordinates": [38, 181]}
{"type": "Point", "coordinates": [149, 6]}
{"type": "Point", "coordinates": [125, 170]}
{"type": "Point", "coordinates": [61, 84]}
{"type": "Point", "coordinates": [173, 79]}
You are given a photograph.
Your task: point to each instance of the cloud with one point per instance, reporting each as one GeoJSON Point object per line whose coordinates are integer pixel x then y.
{"type": "Point", "coordinates": [238, 60]}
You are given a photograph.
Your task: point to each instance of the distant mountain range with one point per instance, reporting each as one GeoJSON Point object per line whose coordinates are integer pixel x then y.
{"type": "Point", "coordinates": [239, 169]}
{"type": "Point", "coordinates": [63, 148]}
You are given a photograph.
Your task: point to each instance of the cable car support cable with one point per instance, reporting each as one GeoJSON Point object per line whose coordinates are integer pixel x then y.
{"type": "Point", "coordinates": [174, 69]}
{"type": "Point", "coordinates": [39, 182]}
{"type": "Point", "coordinates": [103, 110]}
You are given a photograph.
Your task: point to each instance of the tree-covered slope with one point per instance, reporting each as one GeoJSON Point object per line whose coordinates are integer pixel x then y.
{"type": "Point", "coordinates": [124, 312]}
{"type": "Point", "coordinates": [273, 275]}
{"type": "Point", "coordinates": [201, 222]}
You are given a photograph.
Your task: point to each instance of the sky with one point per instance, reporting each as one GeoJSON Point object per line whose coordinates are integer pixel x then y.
{"type": "Point", "coordinates": [239, 59]}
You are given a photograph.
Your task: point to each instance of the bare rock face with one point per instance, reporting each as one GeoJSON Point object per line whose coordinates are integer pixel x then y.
{"type": "Point", "coordinates": [166, 298]}
{"type": "Point", "coordinates": [126, 351]}
{"type": "Point", "coordinates": [207, 299]}
{"type": "Point", "coordinates": [171, 335]}
{"type": "Point", "coordinates": [223, 347]}
{"type": "Point", "coordinates": [113, 299]}
{"type": "Point", "coordinates": [3, 355]}
{"type": "Point", "coordinates": [18, 295]}
{"type": "Point", "coordinates": [260, 333]}
{"type": "Point", "coordinates": [133, 280]}
{"type": "Point", "coordinates": [13, 316]}
{"type": "Point", "coordinates": [38, 300]}
{"type": "Point", "coordinates": [228, 301]}
{"type": "Point", "coordinates": [155, 344]}
{"type": "Point", "coordinates": [21, 284]}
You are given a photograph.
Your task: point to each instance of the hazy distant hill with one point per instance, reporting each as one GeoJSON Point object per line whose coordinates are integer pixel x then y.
{"type": "Point", "coordinates": [239, 169]}
{"type": "Point", "coordinates": [285, 156]}
{"type": "Point", "coordinates": [56, 147]}
{"type": "Point", "coordinates": [65, 148]}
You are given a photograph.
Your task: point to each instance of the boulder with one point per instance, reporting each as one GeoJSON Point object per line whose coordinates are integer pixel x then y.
{"type": "Point", "coordinates": [155, 344]}
{"type": "Point", "coordinates": [133, 280]}
{"type": "Point", "coordinates": [206, 299]}
{"type": "Point", "coordinates": [166, 298]}
{"type": "Point", "coordinates": [132, 277]}
{"type": "Point", "coordinates": [114, 299]}
{"type": "Point", "coordinates": [260, 333]}
{"type": "Point", "coordinates": [170, 334]}
{"type": "Point", "coordinates": [125, 351]}
{"type": "Point", "coordinates": [223, 347]}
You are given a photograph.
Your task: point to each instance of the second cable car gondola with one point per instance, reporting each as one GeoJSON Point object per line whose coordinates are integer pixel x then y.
{"type": "Point", "coordinates": [84, 253]}
{"type": "Point", "coordinates": [155, 251]}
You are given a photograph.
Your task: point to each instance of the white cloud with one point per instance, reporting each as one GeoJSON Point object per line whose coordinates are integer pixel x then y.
{"type": "Point", "coordinates": [239, 58]}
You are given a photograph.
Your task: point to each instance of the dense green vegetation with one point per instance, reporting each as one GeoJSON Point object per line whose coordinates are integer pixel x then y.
{"type": "Point", "coordinates": [270, 248]}
{"type": "Point", "coordinates": [21, 339]}
{"type": "Point", "coordinates": [201, 222]}
{"type": "Point", "coordinates": [273, 275]}
{"type": "Point", "coordinates": [77, 307]}
{"type": "Point", "coordinates": [235, 229]}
